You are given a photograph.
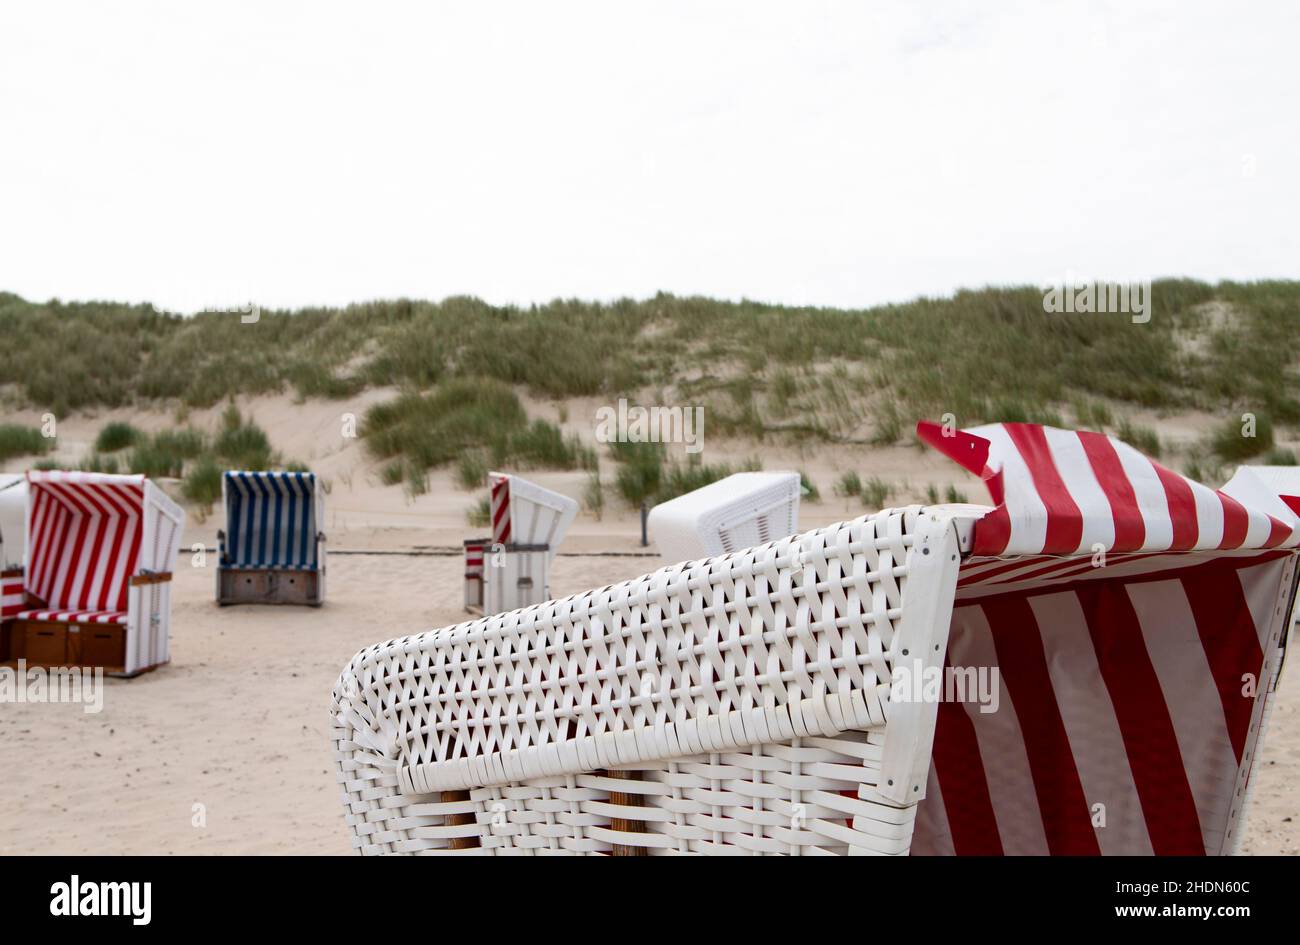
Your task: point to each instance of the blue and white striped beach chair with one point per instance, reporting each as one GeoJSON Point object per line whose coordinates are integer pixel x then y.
{"type": "Point", "coordinates": [273, 548]}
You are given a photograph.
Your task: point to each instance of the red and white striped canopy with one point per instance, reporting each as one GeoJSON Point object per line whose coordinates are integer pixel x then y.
{"type": "Point", "coordinates": [1129, 686]}
{"type": "Point", "coordinates": [84, 537]}
{"type": "Point", "coordinates": [1067, 492]}
{"type": "Point", "coordinates": [500, 508]}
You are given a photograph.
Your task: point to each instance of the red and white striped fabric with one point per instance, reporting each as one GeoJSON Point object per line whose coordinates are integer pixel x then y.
{"type": "Point", "coordinates": [500, 508]}
{"type": "Point", "coordinates": [84, 535]}
{"type": "Point", "coordinates": [1070, 492]}
{"type": "Point", "coordinates": [12, 599]}
{"type": "Point", "coordinates": [1129, 686]}
{"type": "Point", "coordinates": [75, 616]}
{"type": "Point", "coordinates": [474, 559]}
{"type": "Point", "coordinates": [1126, 711]}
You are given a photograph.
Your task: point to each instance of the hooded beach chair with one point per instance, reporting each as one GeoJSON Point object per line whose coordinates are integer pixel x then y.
{"type": "Point", "coordinates": [97, 581]}
{"type": "Point", "coordinates": [512, 568]}
{"type": "Point", "coordinates": [738, 511]}
{"type": "Point", "coordinates": [13, 543]}
{"type": "Point", "coordinates": [1084, 667]}
{"type": "Point", "coordinates": [272, 550]}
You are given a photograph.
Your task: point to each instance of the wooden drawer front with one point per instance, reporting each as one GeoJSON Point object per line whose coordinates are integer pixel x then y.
{"type": "Point", "coordinates": [103, 646]}
{"type": "Point", "coordinates": [46, 643]}
{"type": "Point", "coordinates": [269, 586]}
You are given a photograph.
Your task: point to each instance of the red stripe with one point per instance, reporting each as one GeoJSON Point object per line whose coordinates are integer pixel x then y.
{"type": "Point", "coordinates": [965, 786]}
{"type": "Point", "coordinates": [1023, 666]}
{"type": "Point", "coordinates": [53, 519]}
{"type": "Point", "coordinates": [501, 510]}
{"type": "Point", "coordinates": [90, 537]}
{"type": "Point", "coordinates": [1011, 576]}
{"type": "Point", "coordinates": [126, 504]}
{"type": "Point", "coordinates": [1227, 631]}
{"type": "Point", "coordinates": [1081, 565]}
{"type": "Point", "coordinates": [1064, 521]}
{"type": "Point", "coordinates": [38, 522]}
{"type": "Point", "coordinates": [1278, 532]}
{"type": "Point", "coordinates": [76, 533]}
{"type": "Point", "coordinates": [1144, 722]}
{"type": "Point", "coordinates": [1130, 529]}
{"type": "Point", "coordinates": [978, 571]}
{"type": "Point", "coordinates": [114, 569]}
{"type": "Point", "coordinates": [99, 522]}
{"type": "Point", "coordinates": [1236, 522]}
{"type": "Point", "coordinates": [1182, 508]}
{"type": "Point", "coordinates": [966, 449]}
{"type": "Point", "coordinates": [71, 527]}
{"type": "Point", "coordinates": [992, 532]}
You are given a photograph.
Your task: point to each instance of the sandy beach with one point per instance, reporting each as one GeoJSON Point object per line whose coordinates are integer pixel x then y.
{"type": "Point", "coordinates": [226, 750]}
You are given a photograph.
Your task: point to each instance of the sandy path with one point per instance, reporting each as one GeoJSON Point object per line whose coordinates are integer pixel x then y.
{"type": "Point", "coordinates": [238, 723]}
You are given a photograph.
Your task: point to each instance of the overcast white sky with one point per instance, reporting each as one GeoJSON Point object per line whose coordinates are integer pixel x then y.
{"type": "Point", "coordinates": [201, 154]}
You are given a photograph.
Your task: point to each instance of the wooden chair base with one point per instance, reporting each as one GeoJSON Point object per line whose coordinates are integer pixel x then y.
{"type": "Point", "coordinates": [268, 586]}
{"type": "Point", "coordinates": [49, 644]}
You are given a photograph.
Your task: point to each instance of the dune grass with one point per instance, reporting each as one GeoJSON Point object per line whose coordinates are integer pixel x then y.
{"type": "Point", "coordinates": [977, 354]}
{"type": "Point", "coordinates": [1240, 439]}
{"type": "Point", "coordinates": [184, 453]}
{"type": "Point", "coordinates": [202, 484]}
{"type": "Point", "coordinates": [116, 436]}
{"type": "Point", "coordinates": [17, 440]}
{"type": "Point", "coordinates": [472, 422]}
{"type": "Point", "coordinates": [860, 376]}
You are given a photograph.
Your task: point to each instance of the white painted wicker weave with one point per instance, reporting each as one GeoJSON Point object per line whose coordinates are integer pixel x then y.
{"type": "Point", "coordinates": [738, 704]}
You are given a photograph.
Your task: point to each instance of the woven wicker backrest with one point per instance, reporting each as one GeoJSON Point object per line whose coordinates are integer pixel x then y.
{"type": "Point", "coordinates": [625, 719]}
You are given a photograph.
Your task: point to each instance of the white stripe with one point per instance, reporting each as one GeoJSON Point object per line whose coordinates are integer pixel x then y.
{"type": "Point", "coordinates": [1152, 500]}
{"type": "Point", "coordinates": [1261, 585]}
{"type": "Point", "coordinates": [1081, 482]}
{"type": "Point", "coordinates": [1189, 691]}
{"type": "Point", "coordinates": [76, 593]}
{"type": "Point", "coordinates": [1258, 528]}
{"type": "Point", "coordinates": [96, 569]}
{"type": "Point", "coordinates": [1096, 742]}
{"type": "Point", "coordinates": [1209, 516]}
{"type": "Point", "coordinates": [1001, 741]}
{"type": "Point", "coordinates": [1026, 512]}
{"type": "Point", "coordinates": [931, 835]}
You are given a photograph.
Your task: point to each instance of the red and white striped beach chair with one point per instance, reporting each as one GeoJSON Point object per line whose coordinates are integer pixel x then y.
{"type": "Point", "coordinates": [96, 587]}
{"type": "Point", "coordinates": [512, 569]}
{"type": "Point", "coordinates": [1119, 629]}
{"type": "Point", "coordinates": [13, 543]}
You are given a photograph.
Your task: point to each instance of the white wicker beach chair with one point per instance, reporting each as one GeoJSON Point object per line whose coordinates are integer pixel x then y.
{"type": "Point", "coordinates": [751, 703]}
{"type": "Point", "coordinates": [736, 704]}
{"type": "Point", "coordinates": [738, 511]}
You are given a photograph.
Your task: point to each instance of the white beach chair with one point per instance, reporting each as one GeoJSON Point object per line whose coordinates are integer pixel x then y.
{"type": "Point", "coordinates": [512, 569]}
{"type": "Point", "coordinates": [739, 511]}
{"type": "Point", "coordinates": [97, 581]}
{"type": "Point", "coordinates": [272, 550]}
{"type": "Point", "coordinates": [775, 700]}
